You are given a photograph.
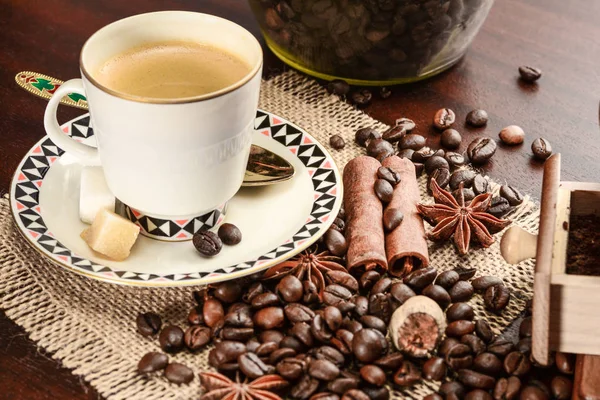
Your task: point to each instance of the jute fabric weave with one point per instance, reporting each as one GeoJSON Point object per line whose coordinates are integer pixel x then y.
{"type": "Point", "coordinates": [90, 325]}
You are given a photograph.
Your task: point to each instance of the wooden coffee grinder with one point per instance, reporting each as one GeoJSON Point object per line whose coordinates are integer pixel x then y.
{"type": "Point", "coordinates": [566, 307]}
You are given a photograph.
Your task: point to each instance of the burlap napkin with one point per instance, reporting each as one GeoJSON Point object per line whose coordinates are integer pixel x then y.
{"type": "Point", "coordinates": [90, 325]}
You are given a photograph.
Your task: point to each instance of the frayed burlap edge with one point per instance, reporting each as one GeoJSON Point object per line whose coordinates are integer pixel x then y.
{"type": "Point", "coordinates": [89, 325]}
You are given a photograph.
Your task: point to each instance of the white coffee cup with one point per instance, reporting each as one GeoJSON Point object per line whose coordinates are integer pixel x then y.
{"type": "Point", "coordinates": [166, 158]}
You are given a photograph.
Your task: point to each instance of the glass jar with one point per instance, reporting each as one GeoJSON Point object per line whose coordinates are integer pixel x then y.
{"type": "Point", "coordinates": [370, 42]}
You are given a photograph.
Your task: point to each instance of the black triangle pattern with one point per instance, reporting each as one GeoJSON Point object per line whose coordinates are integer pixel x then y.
{"type": "Point", "coordinates": [204, 222]}
{"type": "Point", "coordinates": [314, 159]}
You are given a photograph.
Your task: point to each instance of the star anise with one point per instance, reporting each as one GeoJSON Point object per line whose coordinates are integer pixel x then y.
{"type": "Point", "coordinates": [220, 387]}
{"type": "Point", "coordinates": [309, 266]}
{"type": "Point", "coordinates": [465, 221]}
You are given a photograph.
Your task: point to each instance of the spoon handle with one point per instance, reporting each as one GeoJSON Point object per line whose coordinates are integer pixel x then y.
{"type": "Point", "coordinates": [44, 86]}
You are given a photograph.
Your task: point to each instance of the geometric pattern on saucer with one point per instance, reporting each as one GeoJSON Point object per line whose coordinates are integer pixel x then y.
{"type": "Point", "coordinates": [175, 230]}
{"type": "Point", "coordinates": [29, 177]}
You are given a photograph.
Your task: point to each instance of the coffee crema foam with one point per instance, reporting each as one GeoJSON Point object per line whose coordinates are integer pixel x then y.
{"type": "Point", "coordinates": [171, 70]}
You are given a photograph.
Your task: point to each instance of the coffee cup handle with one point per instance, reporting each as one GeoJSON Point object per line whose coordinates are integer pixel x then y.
{"type": "Point", "coordinates": [87, 155]}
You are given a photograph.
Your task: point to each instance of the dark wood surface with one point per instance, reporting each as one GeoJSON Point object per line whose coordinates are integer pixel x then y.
{"type": "Point", "coordinates": [560, 37]}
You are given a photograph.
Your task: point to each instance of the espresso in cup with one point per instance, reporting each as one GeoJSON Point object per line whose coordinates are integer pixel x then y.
{"type": "Point", "coordinates": [172, 70]}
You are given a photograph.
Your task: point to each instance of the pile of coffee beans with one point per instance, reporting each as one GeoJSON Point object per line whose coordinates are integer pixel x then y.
{"type": "Point", "coordinates": [370, 40]}
{"type": "Point", "coordinates": [209, 244]}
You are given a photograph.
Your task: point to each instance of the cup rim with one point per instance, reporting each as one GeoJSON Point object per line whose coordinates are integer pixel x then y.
{"type": "Point", "coordinates": [142, 99]}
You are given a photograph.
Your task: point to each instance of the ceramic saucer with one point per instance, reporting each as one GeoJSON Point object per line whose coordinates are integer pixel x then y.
{"type": "Point", "coordinates": [276, 221]}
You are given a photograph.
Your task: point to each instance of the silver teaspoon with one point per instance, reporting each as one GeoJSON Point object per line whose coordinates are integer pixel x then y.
{"type": "Point", "coordinates": [264, 167]}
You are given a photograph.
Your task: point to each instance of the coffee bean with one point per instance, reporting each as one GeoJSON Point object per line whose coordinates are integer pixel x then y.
{"type": "Point", "coordinates": [330, 354]}
{"type": "Point", "coordinates": [382, 286]}
{"type": "Point", "coordinates": [323, 370]}
{"type": "Point", "coordinates": [419, 168]}
{"type": "Point", "coordinates": [195, 317]}
{"type": "Point", "coordinates": [532, 392]}
{"type": "Point", "coordinates": [436, 162]}
{"type": "Point", "coordinates": [529, 74]}
{"type": "Point", "coordinates": [561, 387]}
{"type": "Point", "coordinates": [351, 325]}
{"type": "Point", "coordinates": [444, 118]}
{"type": "Point", "coordinates": [565, 363]}
{"type": "Point", "coordinates": [481, 150]}
{"type": "Point", "coordinates": [500, 347]}
{"type": "Point", "coordinates": [368, 345]}
{"type": "Point", "coordinates": [475, 343]}
{"type": "Point", "coordinates": [392, 218]}
{"type": "Point", "coordinates": [477, 118]}
{"type": "Point", "coordinates": [229, 234]}
{"type": "Point", "coordinates": [461, 291]}
{"type": "Point", "coordinates": [460, 327]}
{"type": "Point", "coordinates": [279, 354]}
{"type": "Point", "coordinates": [466, 273]}
{"type": "Point", "coordinates": [406, 153]}
{"type": "Point", "coordinates": [451, 139]}
{"type": "Point", "coordinates": [524, 345]}
{"type": "Point", "coordinates": [460, 311]}
{"type": "Point", "coordinates": [339, 225]}
{"type": "Point", "coordinates": [407, 375]}
{"type": "Point", "coordinates": [297, 312]}
{"type": "Point", "coordinates": [454, 159]}
{"type": "Point", "coordinates": [289, 288]}
{"type": "Point", "coordinates": [253, 367]}
{"type": "Point", "coordinates": [459, 356]}
{"type": "Point", "coordinates": [337, 142]}
{"type": "Point", "coordinates": [171, 339]}
{"type": "Point", "coordinates": [302, 332]}
{"type": "Point", "coordinates": [447, 279]}
{"type": "Point", "coordinates": [446, 345]}
{"type": "Point", "coordinates": [475, 379]}
{"type": "Point", "coordinates": [207, 243]}
{"type": "Point", "coordinates": [452, 390]}
{"type": "Point", "coordinates": [368, 279]}
{"type": "Point", "coordinates": [496, 297]}
{"type": "Point", "coordinates": [148, 324]}
{"type": "Point", "coordinates": [252, 291]}
{"type": "Point", "coordinates": [423, 154]}
{"type": "Point", "coordinates": [437, 294]}
{"type": "Point", "coordinates": [480, 184]}
{"type": "Point", "coordinates": [498, 207]}
{"type": "Point", "coordinates": [393, 134]}
{"type": "Point", "coordinates": [362, 98]}
{"type": "Point", "coordinates": [406, 123]}
{"type": "Point", "coordinates": [355, 394]}
{"type": "Point", "coordinates": [483, 282]}
{"type": "Point", "coordinates": [390, 362]}
{"type": "Point", "coordinates": [335, 294]}
{"type": "Point", "coordinates": [434, 369]}
{"type": "Point", "coordinates": [361, 305]}
{"type": "Point", "coordinates": [526, 327]}
{"type": "Point", "coordinates": [324, 396]}
{"type": "Point", "coordinates": [179, 373]}
{"type": "Point", "coordinates": [507, 388]}
{"type": "Point", "coordinates": [517, 364]}
{"type": "Point", "coordinates": [464, 176]}
{"type": "Point", "coordinates": [342, 385]}
{"type": "Point", "coordinates": [338, 86]}
{"type": "Point", "coordinates": [304, 388]}
{"type": "Point", "coordinates": [335, 243]}
{"type": "Point", "coordinates": [420, 278]}
{"type": "Point", "coordinates": [291, 368]}
{"type": "Point", "coordinates": [373, 322]}
{"type": "Point", "coordinates": [373, 374]}
{"type": "Point", "coordinates": [512, 135]}
{"type": "Point", "coordinates": [441, 176]}
{"type": "Point", "coordinates": [332, 317]}
{"type": "Point", "coordinates": [265, 349]}
{"type": "Point", "coordinates": [365, 135]}
{"type": "Point", "coordinates": [411, 141]}
{"type": "Point", "coordinates": [487, 363]}
{"type": "Point", "coordinates": [401, 292]}
{"type": "Point", "coordinates": [377, 392]}
{"type": "Point", "coordinates": [541, 149]}
{"type": "Point", "coordinates": [384, 190]}
{"type": "Point", "coordinates": [433, 396]}
{"type": "Point", "coordinates": [511, 194]}
{"type": "Point", "coordinates": [484, 331]}
{"type": "Point", "coordinates": [269, 318]}
{"type": "Point", "coordinates": [266, 299]}
{"type": "Point", "coordinates": [196, 337]}
{"type": "Point", "coordinates": [380, 305]}
{"type": "Point", "coordinates": [152, 362]}
{"type": "Point", "coordinates": [478, 394]}
{"type": "Point", "coordinates": [389, 175]}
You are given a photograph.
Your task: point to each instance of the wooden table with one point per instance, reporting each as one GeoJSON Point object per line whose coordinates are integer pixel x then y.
{"type": "Point", "coordinates": [560, 37]}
